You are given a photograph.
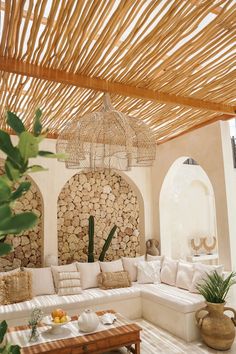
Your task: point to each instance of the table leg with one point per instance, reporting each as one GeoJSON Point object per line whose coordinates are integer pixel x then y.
{"type": "Point", "coordinates": [137, 348]}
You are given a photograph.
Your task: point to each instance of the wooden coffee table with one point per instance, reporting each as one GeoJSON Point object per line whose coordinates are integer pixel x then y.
{"type": "Point", "coordinates": [125, 334]}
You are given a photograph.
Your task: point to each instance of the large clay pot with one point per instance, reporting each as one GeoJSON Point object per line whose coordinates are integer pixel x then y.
{"type": "Point", "coordinates": [152, 247]}
{"type": "Point", "coordinates": [217, 329]}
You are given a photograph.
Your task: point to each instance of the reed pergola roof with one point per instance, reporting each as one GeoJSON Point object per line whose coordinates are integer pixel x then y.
{"type": "Point", "coordinates": [170, 63]}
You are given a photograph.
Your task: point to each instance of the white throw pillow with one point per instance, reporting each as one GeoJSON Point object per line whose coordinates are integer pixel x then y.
{"type": "Point", "coordinates": [69, 283]}
{"type": "Point", "coordinates": [151, 258]}
{"type": "Point", "coordinates": [200, 273]}
{"type": "Point", "coordinates": [89, 274]}
{"type": "Point", "coordinates": [149, 272]}
{"type": "Point", "coordinates": [130, 266]}
{"type": "Point", "coordinates": [184, 275]}
{"type": "Point", "coordinates": [63, 268]}
{"type": "Point", "coordinates": [114, 266]}
{"type": "Point", "coordinates": [169, 271]}
{"type": "Point", "coordinates": [42, 281]}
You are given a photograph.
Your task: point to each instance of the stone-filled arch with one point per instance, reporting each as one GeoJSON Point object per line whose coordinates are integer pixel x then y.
{"type": "Point", "coordinates": [112, 200]}
{"type": "Point", "coordinates": [28, 246]}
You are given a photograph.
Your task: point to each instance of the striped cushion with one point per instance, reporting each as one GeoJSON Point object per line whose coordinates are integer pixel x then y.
{"type": "Point", "coordinates": [69, 283]}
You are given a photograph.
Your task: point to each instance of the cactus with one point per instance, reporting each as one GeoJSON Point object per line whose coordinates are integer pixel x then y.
{"type": "Point", "coordinates": [107, 243]}
{"type": "Point", "coordinates": [91, 239]}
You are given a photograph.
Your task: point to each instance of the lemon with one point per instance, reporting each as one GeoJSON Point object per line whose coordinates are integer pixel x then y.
{"type": "Point", "coordinates": [56, 320]}
{"type": "Point", "coordinates": [63, 319]}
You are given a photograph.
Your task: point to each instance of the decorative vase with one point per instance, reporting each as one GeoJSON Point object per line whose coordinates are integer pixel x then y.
{"type": "Point", "coordinates": [152, 247]}
{"type": "Point", "coordinates": [34, 333]}
{"type": "Point", "coordinates": [88, 321]}
{"type": "Point", "coordinates": [217, 329]}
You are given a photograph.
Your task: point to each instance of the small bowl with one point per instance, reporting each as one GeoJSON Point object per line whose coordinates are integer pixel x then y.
{"type": "Point", "coordinates": [56, 328]}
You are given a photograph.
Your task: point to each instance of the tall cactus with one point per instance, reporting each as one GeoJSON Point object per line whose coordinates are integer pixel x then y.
{"type": "Point", "coordinates": [107, 243]}
{"type": "Point", "coordinates": [91, 239]}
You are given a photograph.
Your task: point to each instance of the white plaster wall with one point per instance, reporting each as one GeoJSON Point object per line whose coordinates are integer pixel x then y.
{"type": "Point", "coordinates": [52, 181]}
{"type": "Point", "coordinates": [187, 209]}
{"type": "Point", "coordinates": [205, 146]}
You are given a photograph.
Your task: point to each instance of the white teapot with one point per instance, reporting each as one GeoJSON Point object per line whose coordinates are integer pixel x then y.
{"type": "Point", "coordinates": [88, 321]}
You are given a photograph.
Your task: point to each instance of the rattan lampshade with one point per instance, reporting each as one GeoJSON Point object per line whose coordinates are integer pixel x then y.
{"type": "Point", "coordinates": [107, 139]}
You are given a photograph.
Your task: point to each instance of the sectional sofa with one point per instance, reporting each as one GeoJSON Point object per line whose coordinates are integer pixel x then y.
{"type": "Point", "coordinates": [169, 306]}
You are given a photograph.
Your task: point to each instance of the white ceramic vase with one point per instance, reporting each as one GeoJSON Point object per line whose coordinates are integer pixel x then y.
{"type": "Point", "coordinates": [88, 321]}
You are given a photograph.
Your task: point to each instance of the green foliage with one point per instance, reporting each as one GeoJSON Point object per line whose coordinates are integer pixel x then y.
{"type": "Point", "coordinates": [8, 348]}
{"type": "Point", "coordinates": [107, 243]}
{"type": "Point", "coordinates": [214, 288]}
{"type": "Point", "coordinates": [13, 186]}
{"type": "Point", "coordinates": [91, 241]}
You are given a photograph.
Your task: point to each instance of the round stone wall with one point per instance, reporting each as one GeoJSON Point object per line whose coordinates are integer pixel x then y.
{"type": "Point", "coordinates": [28, 245]}
{"type": "Point", "coordinates": [111, 200]}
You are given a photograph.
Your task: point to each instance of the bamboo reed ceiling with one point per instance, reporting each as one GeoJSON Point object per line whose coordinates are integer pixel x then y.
{"type": "Point", "coordinates": [170, 63]}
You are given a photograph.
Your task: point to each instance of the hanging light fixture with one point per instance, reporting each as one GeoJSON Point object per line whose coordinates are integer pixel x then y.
{"type": "Point", "coordinates": [107, 139]}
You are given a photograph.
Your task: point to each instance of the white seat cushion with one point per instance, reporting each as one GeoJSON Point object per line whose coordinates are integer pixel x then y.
{"type": "Point", "coordinates": [172, 297]}
{"type": "Point", "coordinates": [47, 303]}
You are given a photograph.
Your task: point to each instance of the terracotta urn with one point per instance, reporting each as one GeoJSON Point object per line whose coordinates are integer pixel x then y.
{"type": "Point", "coordinates": [152, 247]}
{"type": "Point", "coordinates": [88, 321]}
{"type": "Point", "coordinates": [217, 329]}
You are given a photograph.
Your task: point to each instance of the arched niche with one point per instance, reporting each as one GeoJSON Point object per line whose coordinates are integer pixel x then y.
{"type": "Point", "coordinates": [28, 246]}
{"type": "Point", "coordinates": [187, 209]}
{"type": "Point", "coordinates": [112, 200]}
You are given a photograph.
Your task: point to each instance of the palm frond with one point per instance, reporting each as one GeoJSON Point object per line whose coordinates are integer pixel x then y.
{"type": "Point", "coordinates": [214, 288]}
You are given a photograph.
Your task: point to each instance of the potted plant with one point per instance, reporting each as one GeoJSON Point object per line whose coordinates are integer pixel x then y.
{"type": "Point", "coordinates": [13, 186]}
{"type": "Point", "coordinates": [217, 329]}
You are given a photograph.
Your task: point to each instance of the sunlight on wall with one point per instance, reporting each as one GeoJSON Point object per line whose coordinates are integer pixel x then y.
{"type": "Point", "coordinates": [187, 209]}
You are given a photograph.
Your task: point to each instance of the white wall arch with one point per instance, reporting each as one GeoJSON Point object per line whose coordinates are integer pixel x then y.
{"type": "Point", "coordinates": [187, 208]}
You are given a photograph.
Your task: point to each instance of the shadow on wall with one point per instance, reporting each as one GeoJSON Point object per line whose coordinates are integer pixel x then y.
{"type": "Point", "coordinates": [112, 200]}
{"type": "Point", "coordinates": [187, 209]}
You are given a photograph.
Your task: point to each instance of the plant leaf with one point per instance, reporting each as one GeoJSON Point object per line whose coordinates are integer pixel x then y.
{"type": "Point", "coordinates": [15, 349]}
{"type": "Point", "coordinates": [3, 330]}
{"type": "Point", "coordinates": [23, 187]}
{"type": "Point", "coordinates": [17, 223]}
{"type": "Point", "coordinates": [51, 155]}
{"type": "Point", "coordinates": [37, 128]}
{"type": "Point", "coordinates": [36, 168]}
{"type": "Point", "coordinates": [28, 145]}
{"type": "Point", "coordinates": [15, 122]}
{"type": "Point", "coordinates": [5, 191]}
{"type": "Point", "coordinates": [12, 173]}
{"type": "Point", "coordinates": [5, 212]}
{"type": "Point", "coordinates": [5, 248]}
{"type": "Point", "coordinates": [7, 147]}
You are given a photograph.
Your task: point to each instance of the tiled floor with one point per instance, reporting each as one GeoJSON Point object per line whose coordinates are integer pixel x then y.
{"type": "Point", "coordinates": [156, 340]}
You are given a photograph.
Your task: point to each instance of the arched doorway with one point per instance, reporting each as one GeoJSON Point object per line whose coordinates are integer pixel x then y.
{"type": "Point", "coordinates": [187, 210]}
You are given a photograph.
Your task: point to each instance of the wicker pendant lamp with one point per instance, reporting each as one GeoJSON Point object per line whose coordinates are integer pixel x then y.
{"type": "Point", "coordinates": [107, 139]}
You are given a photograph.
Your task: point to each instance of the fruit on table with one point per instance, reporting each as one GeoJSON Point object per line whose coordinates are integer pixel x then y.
{"type": "Point", "coordinates": [56, 320]}
{"type": "Point", "coordinates": [63, 319]}
{"type": "Point", "coordinates": [59, 316]}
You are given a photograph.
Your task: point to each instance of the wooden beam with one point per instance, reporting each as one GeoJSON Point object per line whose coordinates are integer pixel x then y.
{"type": "Point", "coordinates": [93, 83]}
{"type": "Point", "coordinates": [197, 126]}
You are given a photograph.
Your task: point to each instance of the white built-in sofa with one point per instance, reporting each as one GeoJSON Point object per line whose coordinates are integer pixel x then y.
{"type": "Point", "coordinates": [166, 306]}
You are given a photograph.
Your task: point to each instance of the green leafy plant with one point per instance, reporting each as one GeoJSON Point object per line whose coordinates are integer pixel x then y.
{"type": "Point", "coordinates": [214, 288]}
{"type": "Point", "coordinates": [91, 241]}
{"type": "Point", "coordinates": [13, 186]}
